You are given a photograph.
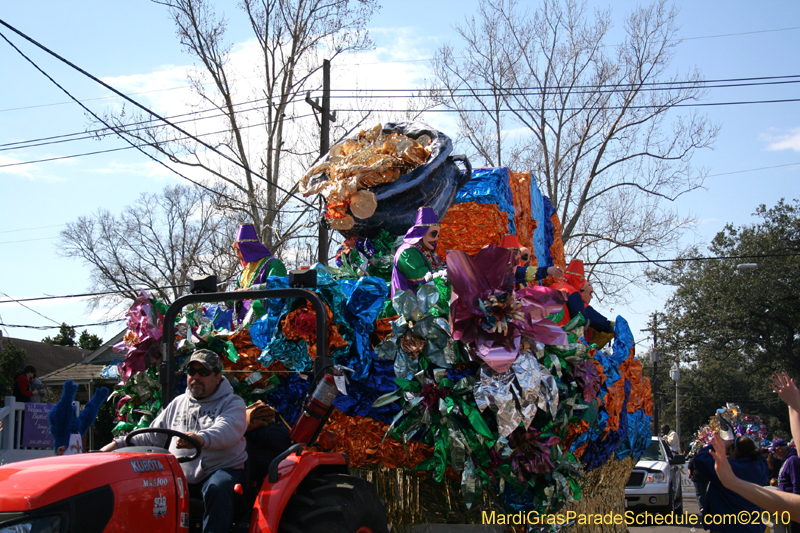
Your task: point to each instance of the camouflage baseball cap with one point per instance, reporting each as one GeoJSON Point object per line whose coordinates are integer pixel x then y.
{"type": "Point", "coordinates": [207, 358]}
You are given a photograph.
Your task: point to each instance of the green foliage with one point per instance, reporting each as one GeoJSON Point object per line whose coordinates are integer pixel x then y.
{"type": "Point", "coordinates": [12, 361]}
{"type": "Point", "coordinates": [65, 337]}
{"type": "Point", "coordinates": [89, 341]}
{"type": "Point", "coordinates": [738, 325]}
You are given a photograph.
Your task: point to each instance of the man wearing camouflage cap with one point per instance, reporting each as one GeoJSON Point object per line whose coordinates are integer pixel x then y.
{"type": "Point", "coordinates": [213, 415]}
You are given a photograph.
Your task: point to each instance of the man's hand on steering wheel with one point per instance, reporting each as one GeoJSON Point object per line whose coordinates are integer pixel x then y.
{"type": "Point", "coordinates": [189, 440]}
{"type": "Point", "coordinates": [183, 443]}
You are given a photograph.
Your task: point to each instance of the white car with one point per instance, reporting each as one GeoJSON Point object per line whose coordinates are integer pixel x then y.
{"type": "Point", "coordinates": [655, 481]}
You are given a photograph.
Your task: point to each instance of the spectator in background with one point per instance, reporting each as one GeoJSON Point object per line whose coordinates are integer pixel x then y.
{"type": "Point", "coordinates": [789, 474]}
{"type": "Point", "coordinates": [747, 464]}
{"type": "Point", "coordinates": [670, 437]}
{"type": "Point", "coordinates": [22, 385]}
{"type": "Point", "coordinates": [700, 483]}
{"type": "Point", "coordinates": [777, 453]}
{"type": "Point", "coordinates": [38, 386]}
{"type": "Point", "coordinates": [770, 500]}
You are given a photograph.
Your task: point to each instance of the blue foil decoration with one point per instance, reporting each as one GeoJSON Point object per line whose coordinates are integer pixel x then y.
{"type": "Point", "coordinates": [362, 394]}
{"type": "Point", "coordinates": [537, 213]}
{"type": "Point", "coordinates": [292, 354]}
{"type": "Point", "coordinates": [365, 297]}
{"type": "Point", "coordinates": [490, 186]}
{"type": "Point", "coordinates": [548, 231]}
{"type": "Point", "coordinates": [264, 329]}
{"type": "Point", "coordinates": [287, 398]}
{"type": "Point", "coordinates": [221, 319]}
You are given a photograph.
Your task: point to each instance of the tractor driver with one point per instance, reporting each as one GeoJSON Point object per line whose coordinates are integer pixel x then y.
{"type": "Point", "coordinates": [213, 415]}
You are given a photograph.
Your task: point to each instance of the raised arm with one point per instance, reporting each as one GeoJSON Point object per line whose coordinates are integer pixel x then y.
{"type": "Point", "coordinates": [770, 500]}
{"type": "Point", "coordinates": [787, 390]}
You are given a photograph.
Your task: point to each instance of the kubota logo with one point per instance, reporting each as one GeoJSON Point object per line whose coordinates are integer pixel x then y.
{"type": "Point", "coordinates": [147, 466]}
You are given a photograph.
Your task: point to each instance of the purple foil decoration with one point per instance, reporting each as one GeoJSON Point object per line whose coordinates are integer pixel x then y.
{"type": "Point", "coordinates": [530, 453]}
{"type": "Point", "coordinates": [586, 375]}
{"type": "Point", "coordinates": [475, 279]}
{"type": "Point", "coordinates": [143, 337]}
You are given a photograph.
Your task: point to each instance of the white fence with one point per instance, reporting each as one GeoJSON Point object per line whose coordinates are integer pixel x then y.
{"type": "Point", "coordinates": [11, 437]}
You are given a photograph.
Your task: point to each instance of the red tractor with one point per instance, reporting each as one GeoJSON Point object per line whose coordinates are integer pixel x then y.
{"type": "Point", "coordinates": [144, 489]}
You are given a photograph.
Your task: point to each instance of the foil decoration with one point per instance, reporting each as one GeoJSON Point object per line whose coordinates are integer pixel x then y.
{"type": "Point", "coordinates": [372, 158]}
{"type": "Point", "coordinates": [470, 484]}
{"type": "Point", "coordinates": [516, 395]}
{"type": "Point", "coordinates": [488, 313]}
{"type": "Point", "coordinates": [417, 333]}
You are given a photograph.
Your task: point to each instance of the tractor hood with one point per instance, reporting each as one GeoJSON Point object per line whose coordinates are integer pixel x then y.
{"type": "Point", "coordinates": [28, 485]}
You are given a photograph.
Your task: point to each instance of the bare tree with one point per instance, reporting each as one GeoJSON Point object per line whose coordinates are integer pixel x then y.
{"type": "Point", "coordinates": [598, 134]}
{"type": "Point", "coordinates": [265, 142]}
{"type": "Point", "coordinates": [157, 243]}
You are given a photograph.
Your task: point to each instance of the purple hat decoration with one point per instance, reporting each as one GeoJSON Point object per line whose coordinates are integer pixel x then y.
{"type": "Point", "coordinates": [426, 217]}
{"type": "Point", "coordinates": [249, 244]}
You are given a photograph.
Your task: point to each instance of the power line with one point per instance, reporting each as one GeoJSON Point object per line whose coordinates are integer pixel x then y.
{"type": "Point", "coordinates": [57, 327]}
{"type": "Point", "coordinates": [30, 240]}
{"type": "Point", "coordinates": [508, 91]}
{"type": "Point", "coordinates": [669, 84]}
{"type": "Point", "coordinates": [583, 108]}
{"type": "Point", "coordinates": [31, 229]}
{"type": "Point", "coordinates": [91, 134]}
{"type": "Point", "coordinates": [752, 170]}
{"type": "Point", "coordinates": [88, 294]}
{"type": "Point", "coordinates": [137, 104]}
{"type": "Point", "coordinates": [132, 146]}
{"type": "Point", "coordinates": [740, 33]}
{"type": "Point", "coordinates": [121, 136]}
{"type": "Point", "coordinates": [692, 259]}
{"type": "Point", "coordinates": [28, 308]}
{"type": "Point", "coordinates": [535, 91]}
{"type": "Point", "coordinates": [85, 295]}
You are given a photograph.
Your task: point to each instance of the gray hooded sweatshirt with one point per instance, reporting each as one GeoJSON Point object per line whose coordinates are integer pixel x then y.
{"type": "Point", "coordinates": [220, 419]}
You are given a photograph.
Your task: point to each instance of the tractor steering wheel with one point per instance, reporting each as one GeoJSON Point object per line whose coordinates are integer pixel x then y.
{"type": "Point", "coordinates": [169, 433]}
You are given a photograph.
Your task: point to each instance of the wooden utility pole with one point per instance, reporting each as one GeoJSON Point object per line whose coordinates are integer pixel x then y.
{"type": "Point", "coordinates": [655, 356]}
{"type": "Point", "coordinates": [324, 145]}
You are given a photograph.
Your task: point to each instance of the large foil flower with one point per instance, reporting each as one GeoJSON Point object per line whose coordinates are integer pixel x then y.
{"type": "Point", "coordinates": [516, 395]}
{"type": "Point", "coordinates": [487, 312]}
{"type": "Point", "coordinates": [141, 341]}
{"type": "Point", "coordinates": [417, 333]}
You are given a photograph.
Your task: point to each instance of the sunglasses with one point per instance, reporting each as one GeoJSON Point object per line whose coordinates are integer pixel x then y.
{"type": "Point", "coordinates": [525, 257]}
{"type": "Point", "coordinates": [204, 372]}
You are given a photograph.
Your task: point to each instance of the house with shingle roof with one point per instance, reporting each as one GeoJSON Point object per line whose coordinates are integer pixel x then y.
{"type": "Point", "coordinates": [86, 372]}
{"type": "Point", "coordinates": [46, 358]}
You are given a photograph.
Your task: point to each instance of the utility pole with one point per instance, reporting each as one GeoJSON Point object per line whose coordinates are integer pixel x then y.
{"type": "Point", "coordinates": [324, 146]}
{"type": "Point", "coordinates": [675, 374]}
{"type": "Point", "coordinates": [655, 356]}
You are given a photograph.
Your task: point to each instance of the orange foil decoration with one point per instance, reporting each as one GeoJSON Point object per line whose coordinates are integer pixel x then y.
{"type": "Point", "coordinates": [614, 399]}
{"type": "Point", "coordinates": [383, 327]}
{"type": "Point", "coordinates": [248, 358]}
{"type": "Point", "coordinates": [360, 438]}
{"type": "Point", "coordinates": [556, 251]}
{"type": "Point", "coordinates": [520, 183]}
{"type": "Point", "coordinates": [470, 226]}
{"type": "Point", "coordinates": [641, 396]}
{"type": "Point", "coordinates": [301, 324]}
{"type": "Point", "coordinates": [574, 431]}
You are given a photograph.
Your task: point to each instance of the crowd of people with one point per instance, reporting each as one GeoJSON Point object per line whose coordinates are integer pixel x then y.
{"type": "Point", "coordinates": [732, 474]}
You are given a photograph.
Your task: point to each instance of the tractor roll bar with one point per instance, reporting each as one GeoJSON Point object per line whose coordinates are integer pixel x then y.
{"type": "Point", "coordinates": [168, 372]}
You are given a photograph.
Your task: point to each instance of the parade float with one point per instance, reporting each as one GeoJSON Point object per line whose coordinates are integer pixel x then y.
{"type": "Point", "coordinates": [459, 396]}
{"type": "Point", "coordinates": [731, 422]}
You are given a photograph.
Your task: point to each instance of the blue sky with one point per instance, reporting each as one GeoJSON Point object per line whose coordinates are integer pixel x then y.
{"type": "Point", "coordinates": [132, 45]}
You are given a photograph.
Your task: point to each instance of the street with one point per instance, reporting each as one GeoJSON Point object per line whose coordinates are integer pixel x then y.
{"type": "Point", "coordinates": [689, 507]}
